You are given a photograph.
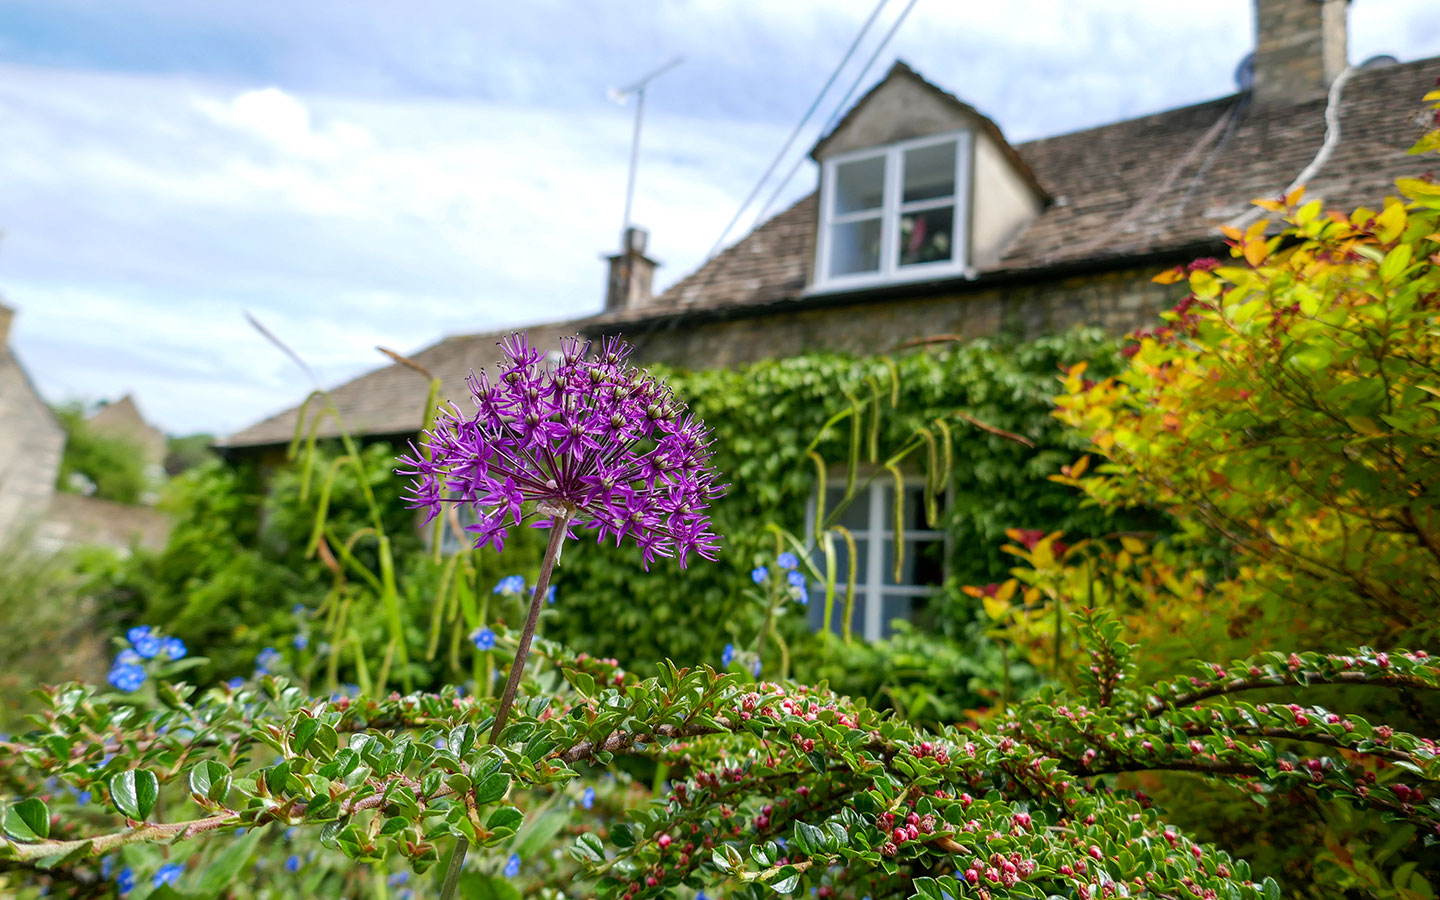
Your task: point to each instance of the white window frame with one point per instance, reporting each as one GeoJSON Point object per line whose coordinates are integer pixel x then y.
{"type": "Point", "coordinates": [891, 210]}
{"type": "Point", "coordinates": [878, 534]}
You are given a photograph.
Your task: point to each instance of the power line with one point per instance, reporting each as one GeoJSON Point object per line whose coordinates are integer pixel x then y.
{"type": "Point", "coordinates": [799, 127]}
{"type": "Point", "coordinates": [839, 110]}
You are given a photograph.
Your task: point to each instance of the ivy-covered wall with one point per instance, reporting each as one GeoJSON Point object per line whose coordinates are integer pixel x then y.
{"type": "Point", "coordinates": [764, 415]}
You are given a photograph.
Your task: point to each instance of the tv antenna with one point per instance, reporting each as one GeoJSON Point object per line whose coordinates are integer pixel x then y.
{"type": "Point", "coordinates": [620, 95]}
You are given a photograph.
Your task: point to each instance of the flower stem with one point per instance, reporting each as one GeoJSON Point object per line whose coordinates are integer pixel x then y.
{"type": "Point", "coordinates": [559, 524]}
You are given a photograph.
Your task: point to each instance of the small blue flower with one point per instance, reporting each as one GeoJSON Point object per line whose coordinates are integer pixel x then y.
{"type": "Point", "coordinates": [291, 832]}
{"type": "Point", "coordinates": [755, 669]}
{"type": "Point", "coordinates": [145, 641]}
{"type": "Point", "coordinates": [550, 594]}
{"type": "Point", "coordinates": [701, 895]}
{"type": "Point", "coordinates": [235, 683]}
{"type": "Point", "coordinates": [512, 867]}
{"type": "Point", "coordinates": [265, 660]}
{"type": "Point", "coordinates": [82, 798]}
{"type": "Point", "coordinates": [727, 656]}
{"type": "Point", "coordinates": [300, 640]}
{"type": "Point", "coordinates": [796, 579]}
{"type": "Point", "coordinates": [399, 878]}
{"type": "Point", "coordinates": [587, 799]}
{"type": "Point", "coordinates": [803, 595]}
{"type": "Point", "coordinates": [169, 873]}
{"type": "Point", "coordinates": [787, 561]}
{"type": "Point", "coordinates": [759, 574]}
{"type": "Point", "coordinates": [298, 609]}
{"type": "Point", "coordinates": [292, 863]}
{"type": "Point", "coordinates": [511, 584]}
{"type": "Point", "coordinates": [106, 865]}
{"type": "Point", "coordinates": [127, 678]}
{"type": "Point", "coordinates": [125, 880]}
{"type": "Point", "coordinates": [484, 638]}
{"type": "Point", "coordinates": [128, 657]}
{"type": "Point", "coordinates": [174, 648]}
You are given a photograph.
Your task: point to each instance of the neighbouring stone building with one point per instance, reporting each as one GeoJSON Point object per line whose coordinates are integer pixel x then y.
{"type": "Point", "coordinates": [32, 441]}
{"type": "Point", "coordinates": [122, 419]}
{"type": "Point", "coordinates": [927, 222]}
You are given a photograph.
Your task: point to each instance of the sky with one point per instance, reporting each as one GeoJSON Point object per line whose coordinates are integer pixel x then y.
{"type": "Point", "coordinates": [356, 173]}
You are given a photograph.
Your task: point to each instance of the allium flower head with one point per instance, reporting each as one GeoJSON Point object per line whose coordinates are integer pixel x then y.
{"type": "Point", "coordinates": [590, 437]}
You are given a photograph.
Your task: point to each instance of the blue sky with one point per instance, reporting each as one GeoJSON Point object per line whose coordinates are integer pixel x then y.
{"type": "Point", "coordinates": [358, 172]}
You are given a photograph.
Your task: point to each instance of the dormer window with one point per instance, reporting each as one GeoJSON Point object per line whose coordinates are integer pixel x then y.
{"type": "Point", "coordinates": [894, 213]}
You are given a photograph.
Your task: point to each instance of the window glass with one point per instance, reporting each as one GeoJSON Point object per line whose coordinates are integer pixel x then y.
{"type": "Point", "coordinates": [895, 606]}
{"type": "Point", "coordinates": [923, 564]}
{"type": "Point", "coordinates": [856, 516]}
{"type": "Point", "coordinates": [860, 185]}
{"type": "Point", "coordinates": [855, 247]}
{"type": "Point", "coordinates": [926, 236]}
{"type": "Point", "coordinates": [929, 172]}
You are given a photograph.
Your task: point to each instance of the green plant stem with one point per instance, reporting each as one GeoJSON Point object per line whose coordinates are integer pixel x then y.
{"type": "Point", "coordinates": [456, 861]}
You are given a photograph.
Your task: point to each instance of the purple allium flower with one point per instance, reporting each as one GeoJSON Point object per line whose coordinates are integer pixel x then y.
{"type": "Point", "coordinates": [592, 439]}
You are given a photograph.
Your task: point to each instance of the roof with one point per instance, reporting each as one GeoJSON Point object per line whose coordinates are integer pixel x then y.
{"type": "Point", "coordinates": [1132, 189]}
{"type": "Point", "coordinates": [390, 401]}
{"type": "Point", "coordinates": [1121, 193]}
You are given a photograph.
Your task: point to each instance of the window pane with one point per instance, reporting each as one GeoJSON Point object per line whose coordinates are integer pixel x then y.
{"type": "Point", "coordinates": [856, 516]}
{"type": "Point", "coordinates": [860, 185]}
{"type": "Point", "coordinates": [930, 172]}
{"type": "Point", "coordinates": [922, 566]}
{"type": "Point", "coordinates": [926, 236]}
{"type": "Point", "coordinates": [896, 607]}
{"type": "Point", "coordinates": [855, 247]}
{"type": "Point", "coordinates": [837, 615]}
{"type": "Point", "coordinates": [842, 562]}
{"type": "Point", "coordinates": [914, 511]}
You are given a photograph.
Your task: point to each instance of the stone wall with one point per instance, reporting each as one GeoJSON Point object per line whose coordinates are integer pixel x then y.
{"type": "Point", "coordinates": [74, 520]}
{"type": "Point", "coordinates": [1119, 302]}
{"type": "Point", "coordinates": [31, 444]}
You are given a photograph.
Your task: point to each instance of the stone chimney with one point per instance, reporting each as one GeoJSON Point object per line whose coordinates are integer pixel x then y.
{"type": "Point", "coordinates": [7, 315]}
{"type": "Point", "coordinates": [632, 273]}
{"type": "Point", "coordinates": [1299, 49]}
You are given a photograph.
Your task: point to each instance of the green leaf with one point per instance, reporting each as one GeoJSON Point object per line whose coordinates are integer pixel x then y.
{"type": "Point", "coordinates": [492, 788]}
{"type": "Point", "coordinates": [211, 780]}
{"type": "Point", "coordinates": [786, 880]}
{"type": "Point", "coordinates": [134, 792]}
{"type": "Point", "coordinates": [220, 874]}
{"type": "Point", "coordinates": [587, 848]}
{"type": "Point", "coordinates": [505, 817]}
{"type": "Point", "coordinates": [474, 886]}
{"type": "Point", "coordinates": [28, 820]}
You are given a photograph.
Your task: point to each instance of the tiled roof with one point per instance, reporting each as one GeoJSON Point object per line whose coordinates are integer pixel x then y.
{"type": "Point", "coordinates": [391, 400]}
{"type": "Point", "coordinates": [1133, 189]}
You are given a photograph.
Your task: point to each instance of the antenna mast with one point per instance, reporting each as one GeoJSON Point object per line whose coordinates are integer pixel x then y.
{"type": "Point", "coordinates": [619, 95]}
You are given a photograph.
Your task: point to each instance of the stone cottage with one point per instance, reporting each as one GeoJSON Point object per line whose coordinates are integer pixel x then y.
{"type": "Point", "coordinates": [32, 441]}
{"type": "Point", "coordinates": [927, 221]}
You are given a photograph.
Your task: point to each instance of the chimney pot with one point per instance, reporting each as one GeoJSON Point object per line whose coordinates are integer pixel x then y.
{"type": "Point", "coordinates": [632, 273]}
{"type": "Point", "coordinates": [1300, 48]}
